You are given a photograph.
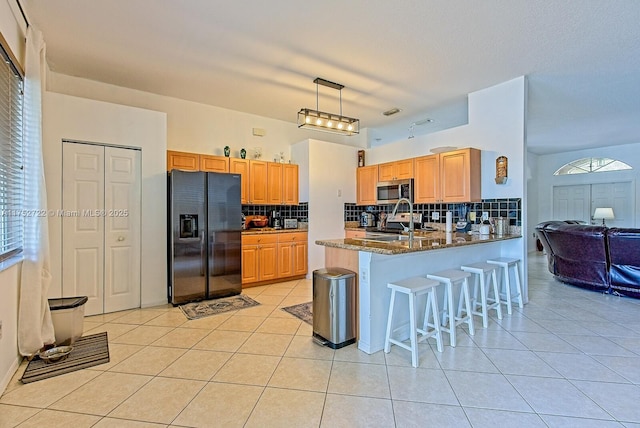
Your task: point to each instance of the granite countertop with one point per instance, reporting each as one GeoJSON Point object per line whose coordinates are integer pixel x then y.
{"type": "Point", "coordinates": [265, 230]}
{"type": "Point", "coordinates": [423, 241]}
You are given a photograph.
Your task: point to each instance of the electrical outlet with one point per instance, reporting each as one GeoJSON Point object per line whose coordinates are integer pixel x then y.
{"type": "Point", "coordinates": [485, 215]}
{"type": "Point", "coordinates": [435, 215]}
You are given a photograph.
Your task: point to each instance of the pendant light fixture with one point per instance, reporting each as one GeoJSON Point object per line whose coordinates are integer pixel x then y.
{"type": "Point", "coordinates": [328, 122]}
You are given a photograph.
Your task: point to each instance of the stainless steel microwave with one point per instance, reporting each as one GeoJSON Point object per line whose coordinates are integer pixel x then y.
{"type": "Point", "coordinates": [389, 192]}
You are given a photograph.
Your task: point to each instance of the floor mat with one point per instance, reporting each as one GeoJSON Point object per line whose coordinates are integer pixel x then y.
{"type": "Point", "coordinates": [88, 351]}
{"type": "Point", "coordinates": [196, 310]}
{"type": "Point", "coordinates": [304, 311]}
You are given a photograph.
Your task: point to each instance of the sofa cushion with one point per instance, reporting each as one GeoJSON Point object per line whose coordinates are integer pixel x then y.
{"type": "Point", "coordinates": [624, 255]}
{"type": "Point", "coordinates": [580, 254]}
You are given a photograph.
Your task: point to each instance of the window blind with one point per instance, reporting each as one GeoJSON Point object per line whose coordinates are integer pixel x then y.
{"type": "Point", "coordinates": [11, 159]}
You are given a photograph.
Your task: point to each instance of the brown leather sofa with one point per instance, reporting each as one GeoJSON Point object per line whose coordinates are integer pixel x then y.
{"type": "Point", "coordinates": [593, 257]}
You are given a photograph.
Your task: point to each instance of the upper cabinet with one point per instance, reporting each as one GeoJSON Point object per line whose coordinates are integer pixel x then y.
{"type": "Point", "coordinates": [212, 163]}
{"type": "Point", "coordinates": [366, 181]}
{"type": "Point", "coordinates": [183, 161]}
{"type": "Point", "coordinates": [448, 177]}
{"type": "Point", "coordinates": [262, 183]}
{"type": "Point", "coordinates": [426, 184]}
{"type": "Point", "coordinates": [274, 183]}
{"type": "Point", "coordinates": [290, 186]}
{"type": "Point", "coordinates": [196, 162]}
{"type": "Point", "coordinates": [258, 182]}
{"type": "Point", "coordinates": [241, 166]}
{"type": "Point", "coordinates": [282, 184]}
{"type": "Point", "coordinates": [398, 170]}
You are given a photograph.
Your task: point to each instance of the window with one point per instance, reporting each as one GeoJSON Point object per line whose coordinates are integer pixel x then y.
{"type": "Point", "coordinates": [11, 171]}
{"type": "Point", "coordinates": [588, 165]}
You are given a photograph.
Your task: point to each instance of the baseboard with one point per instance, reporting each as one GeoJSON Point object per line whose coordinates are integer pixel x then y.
{"type": "Point", "coordinates": [9, 375]}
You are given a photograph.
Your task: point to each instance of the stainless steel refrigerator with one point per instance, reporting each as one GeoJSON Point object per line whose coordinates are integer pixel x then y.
{"type": "Point", "coordinates": [205, 218]}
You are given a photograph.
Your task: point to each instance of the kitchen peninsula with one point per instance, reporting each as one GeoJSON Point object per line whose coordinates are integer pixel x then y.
{"type": "Point", "coordinates": [380, 260]}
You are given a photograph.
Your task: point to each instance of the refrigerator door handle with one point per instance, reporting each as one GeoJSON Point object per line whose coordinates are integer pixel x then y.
{"type": "Point", "coordinates": [203, 253]}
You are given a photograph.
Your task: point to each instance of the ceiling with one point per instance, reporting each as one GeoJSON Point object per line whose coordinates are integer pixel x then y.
{"type": "Point", "coordinates": [582, 58]}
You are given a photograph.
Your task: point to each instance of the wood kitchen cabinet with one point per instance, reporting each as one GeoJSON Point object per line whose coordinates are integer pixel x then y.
{"type": "Point", "coordinates": [366, 181]}
{"type": "Point", "coordinates": [398, 170]}
{"type": "Point", "coordinates": [448, 177]}
{"type": "Point", "coordinates": [183, 161]}
{"type": "Point", "coordinates": [262, 183]}
{"type": "Point", "coordinates": [290, 186]}
{"type": "Point", "coordinates": [258, 182]}
{"type": "Point", "coordinates": [274, 183]}
{"type": "Point", "coordinates": [259, 258]}
{"type": "Point", "coordinates": [210, 163]}
{"type": "Point", "coordinates": [282, 184]}
{"type": "Point", "coordinates": [292, 254]}
{"type": "Point", "coordinates": [270, 257]}
{"type": "Point", "coordinates": [355, 234]}
{"type": "Point", "coordinates": [241, 166]}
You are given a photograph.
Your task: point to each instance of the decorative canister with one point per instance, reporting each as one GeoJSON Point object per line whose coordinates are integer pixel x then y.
{"type": "Point", "coordinates": [243, 153]}
{"type": "Point", "coordinates": [227, 151]}
{"type": "Point", "coordinates": [502, 226]}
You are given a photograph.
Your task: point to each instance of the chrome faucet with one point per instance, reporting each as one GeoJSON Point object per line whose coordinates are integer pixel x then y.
{"type": "Point", "coordinates": [395, 210]}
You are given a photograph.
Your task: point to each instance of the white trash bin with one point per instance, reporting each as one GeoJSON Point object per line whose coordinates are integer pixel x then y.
{"type": "Point", "coordinates": [67, 315]}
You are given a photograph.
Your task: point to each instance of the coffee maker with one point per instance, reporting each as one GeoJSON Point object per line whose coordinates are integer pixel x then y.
{"type": "Point", "coordinates": [275, 220]}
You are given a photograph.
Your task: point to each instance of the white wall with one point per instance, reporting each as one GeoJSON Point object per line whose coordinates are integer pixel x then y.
{"type": "Point", "coordinates": [548, 164]}
{"type": "Point", "coordinates": [13, 30]}
{"type": "Point", "coordinates": [331, 168]}
{"type": "Point", "coordinates": [66, 117]}
{"type": "Point", "coordinates": [202, 128]}
{"type": "Point", "coordinates": [496, 126]}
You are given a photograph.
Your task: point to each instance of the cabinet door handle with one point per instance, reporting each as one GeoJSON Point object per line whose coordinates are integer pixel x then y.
{"type": "Point", "coordinates": [120, 238]}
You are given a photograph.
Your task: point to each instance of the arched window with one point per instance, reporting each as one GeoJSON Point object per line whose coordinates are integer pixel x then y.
{"type": "Point", "coordinates": [587, 165]}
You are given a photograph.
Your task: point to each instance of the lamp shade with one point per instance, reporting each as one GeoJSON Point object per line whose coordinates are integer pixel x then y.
{"type": "Point", "coordinates": [604, 214]}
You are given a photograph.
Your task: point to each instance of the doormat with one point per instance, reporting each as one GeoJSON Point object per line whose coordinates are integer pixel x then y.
{"type": "Point", "coordinates": [197, 310]}
{"type": "Point", "coordinates": [88, 351]}
{"type": "Point", "coordinates": [304, 311]}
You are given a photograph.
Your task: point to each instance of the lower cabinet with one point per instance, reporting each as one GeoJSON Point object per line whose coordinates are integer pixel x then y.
{"type": "Point", "coordinates": [259, 258]}
{"type": "Point", "coordinates": [292, 254]}
{"type": "Point", "coordinates": [274, 256]}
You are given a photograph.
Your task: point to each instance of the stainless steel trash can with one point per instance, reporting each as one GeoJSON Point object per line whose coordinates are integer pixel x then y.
{"type": "Point", "coordinates": [334, 304]}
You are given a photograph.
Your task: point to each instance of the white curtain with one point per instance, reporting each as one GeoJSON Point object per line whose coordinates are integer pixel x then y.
{"type": "Point", "coordinates": [35, 328]}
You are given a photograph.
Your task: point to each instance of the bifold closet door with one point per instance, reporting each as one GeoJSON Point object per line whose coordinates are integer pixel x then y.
{"type": "Point", "coordinates": [101, 193]}
{"type": "Point", "coordinates": [122, 199]}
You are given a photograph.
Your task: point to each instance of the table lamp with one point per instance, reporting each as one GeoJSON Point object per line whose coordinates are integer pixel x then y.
{"type": "Point", "coordinates": [604, 214]}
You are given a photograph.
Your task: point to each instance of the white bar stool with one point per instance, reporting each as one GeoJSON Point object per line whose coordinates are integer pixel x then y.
{"type": "Point", "coordinates": [447, 278]}
{"type": "Point", "coordinates": [506, 263]}
{"type": "Point", "coordinates": [484, 274]}
{"type": "Point", "coordinates": [413, 287]}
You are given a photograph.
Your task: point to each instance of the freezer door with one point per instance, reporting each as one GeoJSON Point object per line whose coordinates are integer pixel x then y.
{"type": "Point", "coordinates": [224, 237]}
{"type": "Point", "coordinates": [188, 279]}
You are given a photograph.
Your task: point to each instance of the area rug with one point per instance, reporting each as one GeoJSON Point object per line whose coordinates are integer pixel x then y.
{"type": "Point", "coordinates": [304, 311]}
{"type": "Point", "coordinates": [88, 351]}
{"type": "Point", "coordinates": [206, 308]}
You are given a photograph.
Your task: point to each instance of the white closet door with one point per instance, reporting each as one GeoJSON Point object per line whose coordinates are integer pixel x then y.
{"type": "Point", "coordinates": [101, 240]}
{"type": "Point", "coordinates": [572, 202]}
{"type": "Point", "coordinates": [83, 227]}
{"type": "Point", "coordinates": [122, 229]}
{"type": "Point", "coordinates": [617, 196]}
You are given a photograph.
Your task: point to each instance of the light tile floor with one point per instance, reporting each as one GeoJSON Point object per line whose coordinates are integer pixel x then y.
{"type": "Point", "coordinates": [570, 358]}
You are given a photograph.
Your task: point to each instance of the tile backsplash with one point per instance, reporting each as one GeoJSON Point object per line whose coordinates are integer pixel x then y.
{"type": "Point", "coordinates": [300, 211]}
{"type": "Point", "coordinates": [507, 207]}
